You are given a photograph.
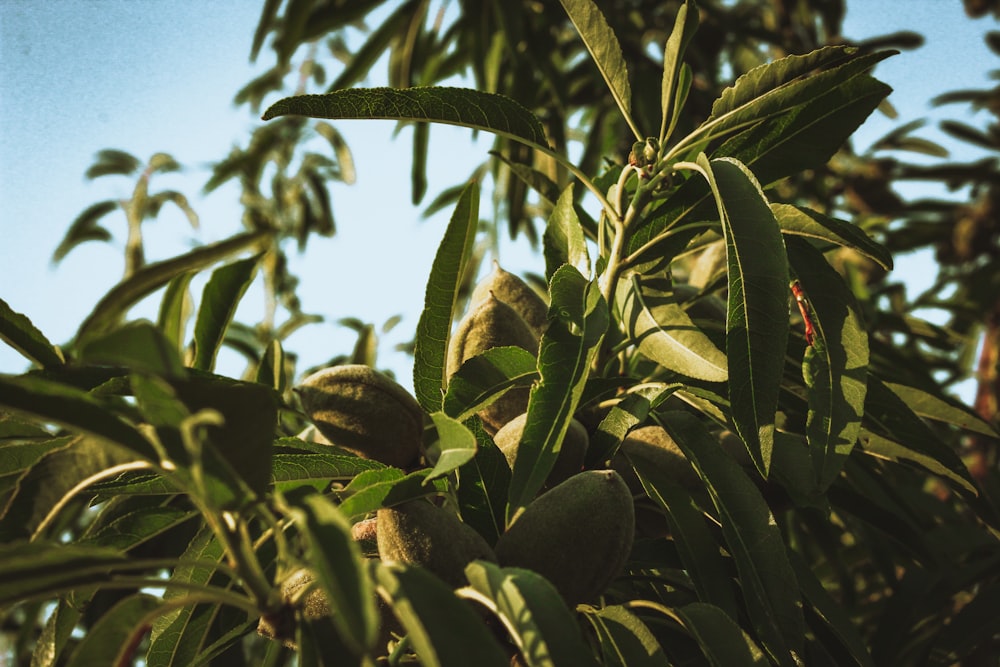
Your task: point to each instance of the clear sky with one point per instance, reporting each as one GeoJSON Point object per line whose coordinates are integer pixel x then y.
{"type": "Point", "coordinates": [77, 76]}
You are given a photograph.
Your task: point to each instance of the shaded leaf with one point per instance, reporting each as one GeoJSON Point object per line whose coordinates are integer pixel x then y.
{"type": "Point", "coordinates": [482, 486]}
{"type": "Point", "coordinates": [175, 309]}
{"type": "Point", "coordinates": [564, 241]}
{"type": "Point", "coordinates": [624, 639]}
{"type": "Point", "coordinates": [386, 487]}
{"type": "Point", "coordinates": [138, 346]}
{"type": "Point", "coordinates": [454, 106]}
{"type": "Point", "coordinates": [219, 300]}
{"type": "Point", "coordinates": [86, 228]}
{"type": "Point", "coordinates": [685, 25]}
{"type": "Point", "coordinates": [44, 570]}
{"type": "Point", "coordinates": [17, 331]}
{"type": "Point", "coordinates": [114, 638]}
{"type": "Point", "coordinates": [533, 612]}
{"type": "Point", "coordinates": [942, 409]}
{"type": "Point", "coordinates": [802, 221]}
{"type": "Point", "coordinates": [483, 378]}
{"type": "Point", "coordinates": [717, 634]}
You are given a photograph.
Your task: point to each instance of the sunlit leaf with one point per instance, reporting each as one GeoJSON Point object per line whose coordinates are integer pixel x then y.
{"type": "Point", "coordinates": [455, 447]}
{"type": "Point", "coordinates": [685, 25]}
{"type": "Point", "coordinates": [564, 241]}
{"type": "Point", "coordinates": [942, 409]}
{"type": "Point", "coordinates": [802, 221]}
{"type": "Point", "coordinates": [624, 639]}
{"type": "Point", "coordinates": [482, 379]}
{"type": "Point", "coordinates": [17, 331]}
{"type": "Point", "coordinates": [443, 286]}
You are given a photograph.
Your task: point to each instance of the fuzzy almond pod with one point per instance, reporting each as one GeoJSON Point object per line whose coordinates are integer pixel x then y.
{"type": "Point", "coordinates": [578, 535]}
{"type": "Point", "coordinates": [654, 444]}
{"type": "Point", "coordinates": [314, 604]}
{"type": "Point", "coordinates": [516, 293]}
{"type": "Point", "coordinates": [363, 411]}
{"type": "Point", "coordinates": [424, 534]}
{"type": "Point", "coordinates": [492, 323]}
{"type": "Point", "coordinates": [569, 460]}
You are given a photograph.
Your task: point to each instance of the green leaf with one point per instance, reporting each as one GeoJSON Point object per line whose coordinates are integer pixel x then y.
{"type": "Point", "coordinates": [940, 408]}
{"type": "Point", "coordinates": [698, 550]}
{"type": "Point", "coordinates": [219, 300]}
{"type": "Point", "coordinates": [456, 445]}
{"type": "Point", "coordinates": [663, 331]}
{"type": "Point", "coordinates": [482, 486]}
{"type": "Point", "coordinates": [374, 489]}
{"type": "Point", "coordinates": [314, 469]}
{"type": "Point", "coordinates": [138, 346]}
{"type": "Point", "coordinates": [444, 630]}
{"type": "Point", "coordinates": [271, 371]}
{"type": "Point", "coordinates": [717, 634]}
{"type": "Point", "coordinates": [485, 377]}
{"type": "Point", "coordinates": [44, 570]}
{"type": "Point", "coordinates": [17, 456]}
{"type": "Point", "coordinates": [801, 221]}
{"type": "Point", "coordinates": [533, 612]}
{"type": "Point", "coordinates": [443, 287]}
{"type": "Point", "coordinates": [132, 523]}
{"type": "Point", "coordinates": [178, 636]}
{"type": "Point", "coordinates": [969, 629]}
{"type": "Point", "coordinates": [114, 638]}
{"type": "Point", "coordinates": [752, 536]}
{"type": "Point", "coordinates": [17, 331]}
{"type": "Point", "coordinates": [757, 326]}
{"type": "Point", "coordinates": [770, 76]}
{"type": "Point", "coordinates": [56, 634]}
{"type": "Point", "coordinates": [113, 162]}
{"type": "Point", "coordinates": [77, 410]}
{"type": "Point", "coordinates": [336, 560]}
{"type": "Point", "coordinates": [175, 309]}
{"type": "Point", "coordinates": [828, 620]}
{"type": "Point", "coordinates": [600, 40]}
{"type": "Point", "coordinates": [835, 366]}
{"type": "Point", "coordinates": [685, 25]}
{"type": "Point", "coordinates": [564, 241]}
{"type": "Point", "coordinates": [624, 639]}
{"type": "Point", "coordinates": [903, 436]}
{"type": "Point", "coordinates": [566, 354]}
{"type": "Point", "coordinates": [112, 307]}
{"type": "Point", "coordinates": [453, 106]}
{"type": "Point", "coordinates": [629, 412]}
{"type": "Point", "coordinates": [85, 228]}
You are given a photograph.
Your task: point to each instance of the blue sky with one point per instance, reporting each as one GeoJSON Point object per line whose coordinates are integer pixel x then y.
{"type": "Point", "coordinates": [77, 76]}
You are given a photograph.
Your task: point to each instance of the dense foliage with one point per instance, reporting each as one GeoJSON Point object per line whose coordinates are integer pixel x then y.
{"type": "Point", "coordinates": [771, 470]}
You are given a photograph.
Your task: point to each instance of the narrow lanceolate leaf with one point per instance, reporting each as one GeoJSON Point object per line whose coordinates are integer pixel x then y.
{"type": "Point", "coordinates": [41, 570]}
{"type": "Point", "coordinates": [835, 366]}
{"type": "Point", "coordinates": [565, 355]}
{"type": "Point", "coordinates": [698, 550]}
{"type": "Point", "coordinates": [114, 639]}
{"type": "Point", "coordinates": [941, 409]}
{"type": "Point", "coordinates": [903, 435]}
{"type": "Point", "coordinates": [564, 241]}
{"type": "Point", "coordinates": [340, 571]}
{"type": "Point", "coordinates": [533, 612]}
{"type": "Point", "coordinates": [662, 331]}
{"type": "Point", "coordinates": [752, 537]}
{"type": "Point", "coordinates": [453, 106]}
{"type": "Point", "coordinates": [444, 631]}
{"type": "Point", "coordinates": [70, 407]}
{"type": "Point", "coordinates": [175, 309]}
{"type": "Point", "coordinates": [624, 639]}
{"type": "Point", "coordinates": [757, 326]}
{"type": "Point", "coordinates": [719, 637]}
{"type": "Point", "coordinates": [456, 445]}
{"type": "Point", "coordinates": [151, 277]}
{"type": "Point", "coordinates": [604, 48]}
{"type": "Point", "coordinates": [629, 412]}
{"type": "Point", "coordinates": [801, 221]}
{"type": "Point", "coordinates": [17, 331]}
{"type": "Point", "coordinates": [138, 346]}
{"type": "Point", "coordinates": [769, 76]}
{"type": "Point", "coordinates": [483, 379]}
{"type": "Point", "coordinates": [434, 329]}
{"type": "Point", "coordinates": [482, 486]}
{"type": "Point", "coordinates": [685, 25]}
{"type": "Point", "coordinates": [219, 300]}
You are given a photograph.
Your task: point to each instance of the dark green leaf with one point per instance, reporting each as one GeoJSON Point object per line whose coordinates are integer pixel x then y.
{"type": "Point", "coordinates": [566, 353]}
{"type": "Point", "coordinates": [138, 346]}
{"type": "Point", "coordinates": [56, 634]}
{"type": "Point", "coordinates": [533, 612]}
{"type": "Point", "coordinates": [454, 106]}
{"type": "Point", "coordinates": [443, 285]}
{"type": "Point", "coordinates": [115, 638]}
{"type": "Point", "coordinates": [336, 560]}
{"type": "Point", "coordinates": [752, 536]}
{"type": "Point", "coordinates": [631, 411]}
{"type": "Point", "coordinates": [445, 631]}
{"type": "Point", "coordinates": [482, 486]}
{"type": "Point", "coordinates": [802, 221]}
{"type": "Point", "coordinates": [77, 410]}
{"type": "Point", "coordinates": [685, 25]}
{"type": "Point", "coordinates": [151, 277]}
{"type": "Point", "coordinates": [757, 326]}
{"type": "Point", "coordinates": [374, 489]}
{"type": "Point", "coordinates": [175, 309]}
{"type": "Point", "coordinates": [483, 379]}
{"type": "Point", "coordinates": [113, 162]}
{"type": "Point", "coordinates": [835, 366]}
{"type": "Point", "coordinates": [625, 640]}
{"type": "Point", "coordinates": [219, 300]}
{"type": "Point", "coordinates": [44, 570]}
{"type": "Point", "coordinates": [17, 331]}
{"type": "Point", "coordinates": [717, 634]}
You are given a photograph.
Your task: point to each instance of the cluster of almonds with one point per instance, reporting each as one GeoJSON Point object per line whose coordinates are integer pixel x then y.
{"type": "Point", "coordinates": [577, 533]}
